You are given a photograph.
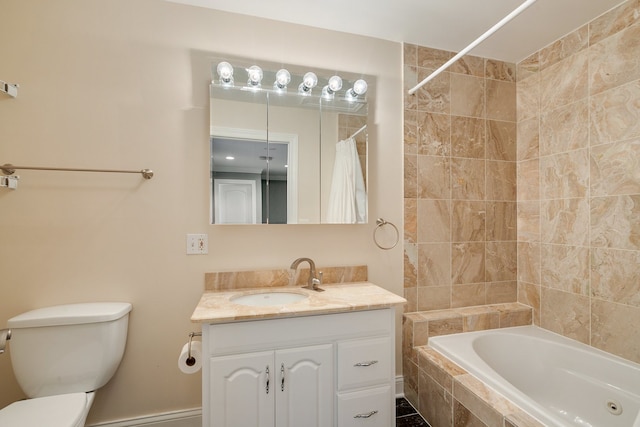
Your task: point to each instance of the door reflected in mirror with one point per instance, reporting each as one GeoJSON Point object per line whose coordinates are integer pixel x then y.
{"type": "Point", "coordinates": [278, 157]}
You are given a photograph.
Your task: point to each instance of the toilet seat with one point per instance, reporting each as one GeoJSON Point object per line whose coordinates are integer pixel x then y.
{"type": "Point", "coordinates": [63, 410]}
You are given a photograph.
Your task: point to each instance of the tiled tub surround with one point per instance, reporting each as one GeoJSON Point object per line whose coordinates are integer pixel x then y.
{"type": "Point", "coordinates": [557, 380]}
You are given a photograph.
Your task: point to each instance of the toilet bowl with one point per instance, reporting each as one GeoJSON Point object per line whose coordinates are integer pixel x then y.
{"type": "Point", "coordinates": [60, 356]}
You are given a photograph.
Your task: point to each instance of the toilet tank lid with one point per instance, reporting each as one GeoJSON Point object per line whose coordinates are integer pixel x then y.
{"type": "Point", "coordinates": [70, 314]}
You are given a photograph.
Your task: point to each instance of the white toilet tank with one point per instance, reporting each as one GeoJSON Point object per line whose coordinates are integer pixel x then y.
{"type": "Point", "coordinates": [68, 348]}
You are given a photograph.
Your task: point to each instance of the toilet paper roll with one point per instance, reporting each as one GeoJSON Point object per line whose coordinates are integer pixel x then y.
{"type": "Point", "coordinates": [193, 366]}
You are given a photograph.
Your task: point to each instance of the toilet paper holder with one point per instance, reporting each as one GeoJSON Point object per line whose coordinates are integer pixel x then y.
{"type": "Point", "coordinates": [190, 359]}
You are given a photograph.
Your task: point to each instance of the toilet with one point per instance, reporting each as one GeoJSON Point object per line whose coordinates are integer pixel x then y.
{"type": "Point", "coordinates": [61, 355]}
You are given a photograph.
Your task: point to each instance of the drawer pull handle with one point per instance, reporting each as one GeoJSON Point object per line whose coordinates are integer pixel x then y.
{"type": "Point", "coordinates": [268, 378]}
{"type": "Point", "coordinates": [282, 374]}
{"type": "Point", "coordinates": [367, 415]}
{"type": "Point", "coordinates": [369, 363]}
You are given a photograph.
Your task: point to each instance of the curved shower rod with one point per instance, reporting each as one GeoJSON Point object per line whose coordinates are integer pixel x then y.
{"type": "Point", "coordinates": [473, 44]}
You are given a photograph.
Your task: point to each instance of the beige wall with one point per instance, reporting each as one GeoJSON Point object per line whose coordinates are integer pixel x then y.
{"type": "Point", "coordinates": [578, 183]}
{"type": "Point", "coordinates": [121, 84]}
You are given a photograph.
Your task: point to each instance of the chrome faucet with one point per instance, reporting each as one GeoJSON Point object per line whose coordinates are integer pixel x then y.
{"type": "Point", "coordinates": [313, 281]}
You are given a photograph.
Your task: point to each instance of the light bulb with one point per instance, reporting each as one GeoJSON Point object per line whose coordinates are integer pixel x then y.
{"type": "Point", "coordinates": [225, 72]}
{"type": "Point", "coordinates": [255, 76]}
{"type": "Point", "coordinates": [309, 81]}
{"type": "Point", "coordinates": [283, 78]}
{"type": "Point", "coordinates": [333, 85]}
{"type": "Point", "coordinates": [359, 88]}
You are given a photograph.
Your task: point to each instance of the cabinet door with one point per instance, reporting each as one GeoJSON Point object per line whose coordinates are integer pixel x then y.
{"type": "Point", "coordinates": [242, 390]}
{"type": "Point", "coordinates": [305, 389]}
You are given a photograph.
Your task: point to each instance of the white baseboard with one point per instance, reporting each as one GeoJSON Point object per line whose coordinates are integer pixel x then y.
{"type": "Point", "coordinates": [190, 417]}
{"type": "Point", "coordinates": [186, 418]}
{"type": "Point", "coordinates": [399, 386]}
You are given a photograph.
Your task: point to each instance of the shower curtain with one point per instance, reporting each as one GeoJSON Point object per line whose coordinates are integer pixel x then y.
{"type": "Point", "coordinates": [347, 199]}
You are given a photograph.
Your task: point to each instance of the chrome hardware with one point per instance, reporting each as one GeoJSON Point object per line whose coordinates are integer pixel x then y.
{"type": "Point", "coordinates": [313, 281]}
{"type": "Point", "coordinates": [367, 415]}
{"type": "Point", "coordinates": [5, 335]}
{"type": "Point", "coordinates": [267, 372]}
{"type": "Point", "coordinates": [369, 363]}
{"type": "Point", "coordinates": [282, 375]}
{"type": "Point", "coordinates": [190, 359]}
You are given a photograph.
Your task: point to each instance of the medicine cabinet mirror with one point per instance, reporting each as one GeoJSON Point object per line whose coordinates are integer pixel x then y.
{"type": "Point", "coordinates": [287, 155]}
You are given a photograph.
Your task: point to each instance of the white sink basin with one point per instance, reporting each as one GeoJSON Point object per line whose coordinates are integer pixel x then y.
{"type": "Point", "coordinates": [269, 298]}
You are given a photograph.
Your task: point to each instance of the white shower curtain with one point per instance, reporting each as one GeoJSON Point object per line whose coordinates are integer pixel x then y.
{"type": "Point", "coordinates": [347, 199]}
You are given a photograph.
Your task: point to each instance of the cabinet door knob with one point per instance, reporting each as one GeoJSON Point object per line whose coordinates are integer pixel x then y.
{"type": "Point", "coordinates": [369, 363]}
{"type": "Point", "coordinates": [367, 415]}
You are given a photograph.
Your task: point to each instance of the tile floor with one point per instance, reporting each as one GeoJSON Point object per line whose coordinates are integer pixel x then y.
{"type": "Point", "coordinates": [407, 416]}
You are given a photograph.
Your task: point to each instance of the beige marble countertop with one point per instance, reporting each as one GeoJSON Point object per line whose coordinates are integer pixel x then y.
{"type": "Point", "coordinates": [218, 307]}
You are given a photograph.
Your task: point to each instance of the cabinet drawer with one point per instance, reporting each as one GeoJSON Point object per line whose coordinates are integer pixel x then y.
{"type": "Point", "coordinates": [364, 362]}
{"type": "Point", "coordinates": [370, 408]}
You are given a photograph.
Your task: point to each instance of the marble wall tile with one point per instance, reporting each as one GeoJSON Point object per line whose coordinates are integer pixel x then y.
{"type": "Point", "coordinates": [468, 295]}
{"type": "Point", "coordinates": [467, 179]}
{"type": "Point", "coordinates": [528, 66]}
{"type": "Point", "coordinates": [435, 96]}
{"type": "Point", "coordinates": [565, 129]}
{"type": "Point", "coordinates": [528, 184]}
{"type": "Point", "coordinates": [462, 416]}
{"type": "Point", "coordinates": [470, 65]}
{"type": "Point", "coordinates": [410, 132]}
{"type": "Point", "coordinates": [501, 292]}
{"type": "Point", "coordinates": [614, 168]}
{"type": "Point", "coordinates": [517, 317]}
{"type": "Point", "coordinates": [565, 313]}
{"type": "Point", "coordinates": [434, 298]}
{"type": "Point", "coordinates": [565, 175]}
{"type": "Point", "coordinates": [500, 264]}
{"type": "Point", "coordinates": [565, 82]}
{"type": "Point", "coordinates": [501, 221]}
{"type": "Point", "coordinates": [467, 96]}
{"type": "Point", "coordinates": [615, 276]}
{"type": "Point", "coordinates": [410, 54]}
{"type": "Point", "coordinates": [529, 294]}
{"type": "Point", "coordinates": [410, 221]}
{"type": "Point", "coordinates": [481, 321]}
{"type": "Point", "coordinates": [614, 329]}
{"type": "Point", "coordinates": [467, 262]}
{"type": "Point", "coordinates": [411, 295]}
{"type": "Point", "coordinates": [410, 79]}
{"type": "Point", "coordinates": [501, 140]}
{"type": "Point", "coordinates": [500, 70]}
{"type": "Point", "coordinates": [434, 175]}
{"type": "Point", "coordinates": [445, 326]}
{"type": "Point", "coordinates": [528, 97]}
{"type": "Point", "coordinates": [501, 180]}
{"type": "Point", "coordinates": [480, 399]}
{"type": "Point", "coordinates": [410, 170]}
{"type": "Point", "coordinates": [434, 221]}
{"type": "Point", "coordinates": [431, 58]}
{"type": "Point", "coordinates": [528, 139]}
{"type": "Point", "coordinates": [568, 45]}
{"type": "Point", "coordinates": [566, 268]}
{"type": "Point", "coordinates": [468, 137]}
{"type": "Point", "coordinates": [410, 265]}
{"type": "Point", "coordinates": [529, 262]}
{"type": "Point", "coordinates": [614, 222]}
{"type": "Point", "coordinates": [433, 264]}
{"type": "Point", "coordinates": [433, 134]}
{"type": "Point", "coordinates": [501, 100]}
{"type": "Point", "coordinates": [529, 221]}
{"type": "Point", "coordinates": [467, 221]}
{"type": "Point", "coordinates": [615, 114]}
{"type": "Point", "coordinates": [565, 221]}
{"type": "Point", "coordinates": [435, 402]}
{"type": "Point", "coordinates": [614, 21]}
{"type": "Point", "coordinates": [615, 61]}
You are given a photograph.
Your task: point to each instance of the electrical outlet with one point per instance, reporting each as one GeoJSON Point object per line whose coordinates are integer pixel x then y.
{"type": "Point", "coordinates": [197, 244]}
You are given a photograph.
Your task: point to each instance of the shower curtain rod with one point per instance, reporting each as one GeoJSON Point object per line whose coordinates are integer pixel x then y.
{"type": "Point", "coordinates": [473, 44]}
{"type": "Point", "coordinates": [358, 131]}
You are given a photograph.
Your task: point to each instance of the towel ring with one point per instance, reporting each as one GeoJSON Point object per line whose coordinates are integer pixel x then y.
{"type": "Point", "coordinates": [380, 223]}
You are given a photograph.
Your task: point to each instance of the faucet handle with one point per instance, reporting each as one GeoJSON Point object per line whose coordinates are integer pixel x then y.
{"type": "Point", "coordinates": [317, 282]}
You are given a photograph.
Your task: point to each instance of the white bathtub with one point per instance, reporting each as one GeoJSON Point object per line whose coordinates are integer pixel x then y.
{"type": "Point", "coordinates": [559, 381]}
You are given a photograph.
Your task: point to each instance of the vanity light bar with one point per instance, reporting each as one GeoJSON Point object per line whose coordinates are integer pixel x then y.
{"type": "Point", "coordinates": [283, 79]}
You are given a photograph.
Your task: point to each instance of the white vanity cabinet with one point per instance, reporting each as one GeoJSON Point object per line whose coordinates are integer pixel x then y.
{"type": "Point", "coordinates": [330, 370]}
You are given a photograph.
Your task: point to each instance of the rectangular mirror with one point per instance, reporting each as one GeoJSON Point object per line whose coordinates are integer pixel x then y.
{"type": "Point", "coordinates": [281, 157]}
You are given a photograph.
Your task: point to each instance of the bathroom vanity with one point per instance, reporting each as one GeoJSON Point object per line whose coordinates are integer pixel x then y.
{"type": "Point", "coordinates": [325, 360]}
